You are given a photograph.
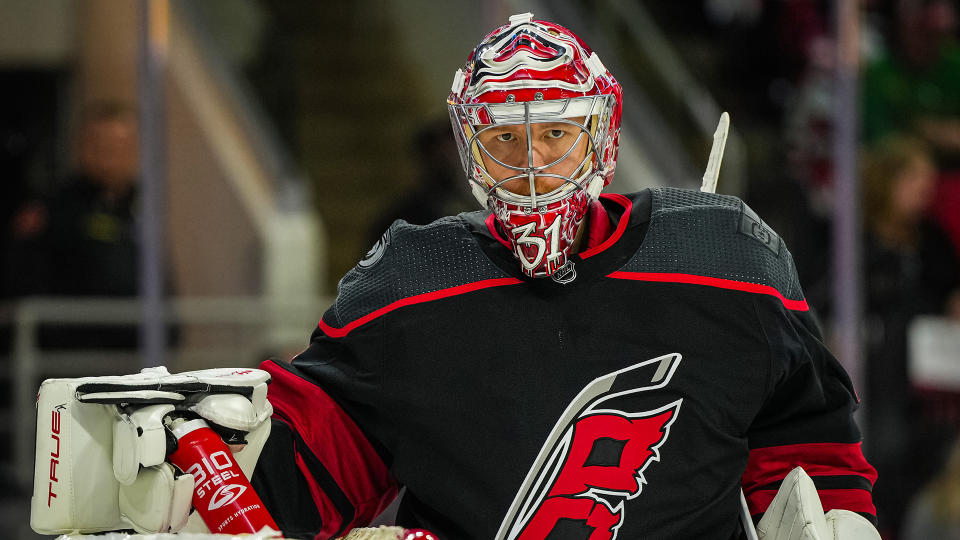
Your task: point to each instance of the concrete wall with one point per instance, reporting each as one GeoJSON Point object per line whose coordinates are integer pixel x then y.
{"type": "Point", "coordinates": [37, 33]}
{"type": "Point", "coordinates": [106, 51]}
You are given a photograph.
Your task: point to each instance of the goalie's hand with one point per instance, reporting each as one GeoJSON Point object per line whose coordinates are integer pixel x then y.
{"type": "Point", "coordinates": [796, 514]}
{"type": "Point", "coordinates": [102, 445]}
{"type": "Point", "coordinates": [388, 533]}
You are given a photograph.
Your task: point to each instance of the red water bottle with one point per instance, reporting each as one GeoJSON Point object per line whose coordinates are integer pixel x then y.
{"type": "Point", "coordinates": [221, 493]}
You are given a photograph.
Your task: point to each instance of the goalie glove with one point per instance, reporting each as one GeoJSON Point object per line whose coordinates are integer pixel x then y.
{"type": "Point", "coordinates": [388, 533]}
{"type": "Point", "coordinates": [796, 514]}
{"type": "Point", "coordinates": [102, 445]}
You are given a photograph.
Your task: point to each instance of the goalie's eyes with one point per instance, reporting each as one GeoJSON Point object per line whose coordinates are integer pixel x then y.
{"type": "Point", "coordinates": [508, 136]}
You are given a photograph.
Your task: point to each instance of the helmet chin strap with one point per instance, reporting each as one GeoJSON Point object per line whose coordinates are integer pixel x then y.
{"type": "Point", "coordinates": [595, 186]}
{"type": "Point", "coordinates": [480, 193]}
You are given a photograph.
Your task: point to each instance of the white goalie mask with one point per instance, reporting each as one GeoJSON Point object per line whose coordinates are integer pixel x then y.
{"type": "Point", "coordinates": [536, 116]}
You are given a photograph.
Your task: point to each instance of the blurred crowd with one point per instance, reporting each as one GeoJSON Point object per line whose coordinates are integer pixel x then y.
{"type": "Point", "coordinates": [78, 236]}
{"type": "Point", "coordinates": [910, 214]}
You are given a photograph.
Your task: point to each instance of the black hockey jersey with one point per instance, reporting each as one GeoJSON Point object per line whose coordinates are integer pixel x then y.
{"type": "Point", "coordinates": [634, 402]}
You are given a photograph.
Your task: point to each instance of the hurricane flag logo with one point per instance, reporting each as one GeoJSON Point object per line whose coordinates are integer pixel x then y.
{"type": "Point", "coordinates": [594, 459]}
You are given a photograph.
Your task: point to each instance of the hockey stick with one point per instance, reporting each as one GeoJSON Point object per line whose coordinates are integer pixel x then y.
{"type": "Point", "coordinates": [716, 155]}
{"type": "Point", "coordinates": [746, 520]}
{"type": "Point", "coordinates": [709, 185]}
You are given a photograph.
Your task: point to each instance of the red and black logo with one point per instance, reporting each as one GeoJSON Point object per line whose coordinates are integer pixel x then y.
{"type": "Point", "coordinates": [594, 459]}
{"type": "Point", "coordinates": [55, 452]}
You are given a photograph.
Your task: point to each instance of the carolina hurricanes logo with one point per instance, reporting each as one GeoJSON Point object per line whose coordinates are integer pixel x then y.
{"type": "Point", "coordinates": [594, 459]}
{"type": "Point", "coordinates": [225, 495]}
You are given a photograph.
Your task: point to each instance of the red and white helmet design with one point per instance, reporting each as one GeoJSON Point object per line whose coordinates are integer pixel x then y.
{"type": "Point", "coordinates": [524, 73]}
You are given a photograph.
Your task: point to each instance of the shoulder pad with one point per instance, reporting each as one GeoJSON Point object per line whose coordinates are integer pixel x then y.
{"type": "Point", "coordinates": [407, 261]}
{"type": "Point", "coordinates": [718, 236]}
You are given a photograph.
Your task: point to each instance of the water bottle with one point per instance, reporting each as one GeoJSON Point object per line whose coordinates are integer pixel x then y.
{"type": "Point", "coordinates": [222, 494]}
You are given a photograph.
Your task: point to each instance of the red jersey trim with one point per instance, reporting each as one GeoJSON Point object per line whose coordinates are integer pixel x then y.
{"type": "Point", "coordinates": [627, 205]}
{"type": "Point", "coordinates": [337, 442]}
{"type": "Point", "coordinates": [416, 299]}
{"type": "Point", "coordinates": [492, 227]}
{"type": "Point", "coordinates": [329, 516]}
{"type": "Point", "coordinates": [756, 288]}
{"type": "Point", "coordinates": [769, 465]}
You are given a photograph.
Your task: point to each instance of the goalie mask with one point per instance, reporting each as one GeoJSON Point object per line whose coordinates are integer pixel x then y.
{"type": "Point", "coordinates": [536, 117]}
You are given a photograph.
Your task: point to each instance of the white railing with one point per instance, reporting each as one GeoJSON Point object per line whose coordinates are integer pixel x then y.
{"type": "Point", "coordinates": [211, 332]}
{"type": "Point", "coordinates": [695, 97]}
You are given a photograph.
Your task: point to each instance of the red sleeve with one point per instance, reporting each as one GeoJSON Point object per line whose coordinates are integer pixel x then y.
{"type": "Point", "coordinates": [347, 479]}
{"type": "Point", "coordinates": [842, 475]}
{"type": "Point", "coordinates": [806, 420]}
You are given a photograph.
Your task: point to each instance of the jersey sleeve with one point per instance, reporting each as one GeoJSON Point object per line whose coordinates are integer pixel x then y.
{"type": "Point", "coordinates": [321, 473]}
{"type": "Point", "coordinates": [806, 419]}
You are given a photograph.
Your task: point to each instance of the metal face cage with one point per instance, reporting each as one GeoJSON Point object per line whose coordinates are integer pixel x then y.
{"type": "Point", "coordinates": [589, 115]}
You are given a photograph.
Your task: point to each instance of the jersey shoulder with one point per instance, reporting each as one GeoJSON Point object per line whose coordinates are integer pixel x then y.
{"type": "Point", "coordinates": [714, 236]}
{"type": "Point", "coordinates": [411, 260]}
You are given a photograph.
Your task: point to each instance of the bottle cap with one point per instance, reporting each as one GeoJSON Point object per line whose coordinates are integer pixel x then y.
{"type": "Point", "coordinates": [180, 430]}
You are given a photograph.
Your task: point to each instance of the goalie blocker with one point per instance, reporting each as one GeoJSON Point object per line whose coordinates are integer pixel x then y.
{"type": "Point", "coordinates": [102, 445]}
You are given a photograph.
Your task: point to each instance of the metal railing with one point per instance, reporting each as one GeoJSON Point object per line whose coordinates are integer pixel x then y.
{"type": "Point", "coordinates": [211, 332]}
{"type": "Point", "coordinates": [694, 96]}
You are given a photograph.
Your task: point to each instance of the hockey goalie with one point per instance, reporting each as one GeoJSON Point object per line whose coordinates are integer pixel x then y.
{"type": "Point", "coordinates": [562, 364]}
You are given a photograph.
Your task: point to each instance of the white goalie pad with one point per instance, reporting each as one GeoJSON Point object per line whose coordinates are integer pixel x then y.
{"type": "Point", "coordinates": [797, 514]}
{"type": "Point", "coordinates": [101, 445]}
{"type": "Point", "coordinates": [74, 453]}
{"type": "Point", "coordinates": [380, 533]}
{"type": "Point", "coordinates": [264, 534]}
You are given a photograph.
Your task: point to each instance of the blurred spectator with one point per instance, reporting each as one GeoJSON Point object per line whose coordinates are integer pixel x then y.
{"type": "Point", "coordinates": [809, 126]}
{"type": "Point", "coordinates": [899, 185]}
{"type": "Point", "coordinates": [911, 269]}
{"type": "Point", "coordinates": [809, 114]}
{"type": "Point", "coordinates": [441, 188]}
{"type": "Point", "coordinates": [946, 208]}
{"type": "Point", "coordinates": [915, 86]}
{"type": "Point", "coordinates": [81, 240]}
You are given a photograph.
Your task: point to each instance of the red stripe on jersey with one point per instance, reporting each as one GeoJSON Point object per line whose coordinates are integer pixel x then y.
{"type": "Point", "coordinates": [621, 225]}
{"type": "Point", "coordinates": [768, 465]}
{"type": "Point", "coordinates": [329, 516]}
{"type": "Point", "coordinates": [855, 500]}
{"type": "Point", "coordinates": [337, 443]}
{"type": "Point", "coordinates": [416, 299]}
{"type": "Point", "coordinates": [756, 288]}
